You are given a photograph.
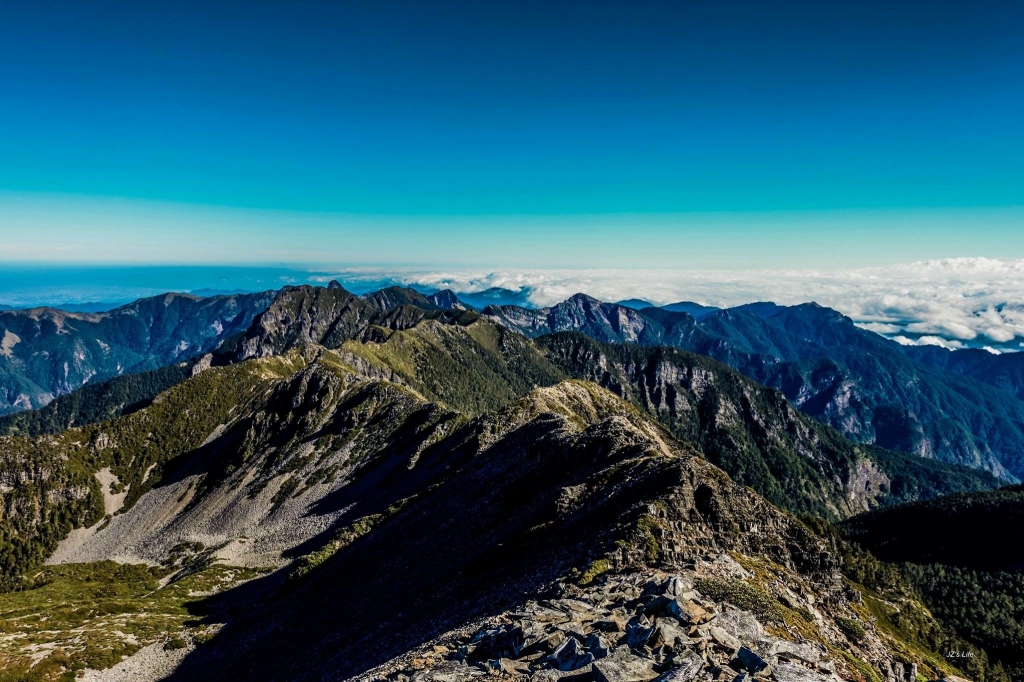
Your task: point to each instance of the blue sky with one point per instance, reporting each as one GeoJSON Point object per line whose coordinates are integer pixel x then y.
{"type": "Point", "coordinates": [526, 134]}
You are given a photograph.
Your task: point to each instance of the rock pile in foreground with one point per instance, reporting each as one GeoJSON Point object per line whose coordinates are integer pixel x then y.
{"type": "Point", "coordinates": [629, 627]}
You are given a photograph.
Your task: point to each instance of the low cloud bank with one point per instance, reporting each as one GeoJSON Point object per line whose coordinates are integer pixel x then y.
{"type": "Point", "coordinates": [957, 302]}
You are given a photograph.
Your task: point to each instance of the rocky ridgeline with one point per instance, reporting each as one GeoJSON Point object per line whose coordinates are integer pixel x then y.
{"type": "Point", "coordinates": [630, 627]}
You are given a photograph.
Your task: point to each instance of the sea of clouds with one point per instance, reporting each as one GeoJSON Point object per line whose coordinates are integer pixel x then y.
{"type": "Point", "coordinates": [956, 302]}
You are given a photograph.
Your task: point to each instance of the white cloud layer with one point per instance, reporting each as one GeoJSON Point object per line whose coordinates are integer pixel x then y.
{"type": "Point", "coordinates": [954, 302]}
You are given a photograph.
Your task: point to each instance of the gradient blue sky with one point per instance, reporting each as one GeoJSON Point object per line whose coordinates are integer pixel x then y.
{"type": "Point", "coordinates": [525, 134]}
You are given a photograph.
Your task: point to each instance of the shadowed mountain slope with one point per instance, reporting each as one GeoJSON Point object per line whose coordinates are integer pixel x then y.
{"type": "Point", "coordinates": [854, 380]}
{"type": "Point", "coordinates": [567, 477]}
{"type": "Point", "coordinates": [754, 433]}
{"type": "Point", "coordinates": [45, 353]}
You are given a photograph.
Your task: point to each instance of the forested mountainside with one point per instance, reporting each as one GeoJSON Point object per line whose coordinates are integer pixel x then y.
{"type": "Point", "coordinates": [1003, 370]}
{"type": "Point", "coordinates": [965, 553]}
{"type": "Point", "coordinates": [96, 402]}
{"type": "Point", "coordinates": [865, 386]}
{"type": "Point", "coordinates": [45, 353]}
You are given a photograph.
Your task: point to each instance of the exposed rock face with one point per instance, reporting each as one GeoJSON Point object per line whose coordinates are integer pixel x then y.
{"type": "Point", "coordinates": [616, 628]}
{"type": "Point", "coordinates": [750, 431]}
{"type": "Point", "coordinates": [852, 379]}
{"type": "Point", "coordinates": [330, 316]}
{"type": "Point", "coordinates": [46, 353]}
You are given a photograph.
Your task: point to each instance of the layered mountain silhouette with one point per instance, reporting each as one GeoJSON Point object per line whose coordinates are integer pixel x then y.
{"type": "Point", "coordinates": [416, 473]}
{"type": "Point", "coordinates": [442, 497]}
{"type": "Point", "coordinates": [865, 386]}
{"type": "Point", "coordinates": [46, 353]}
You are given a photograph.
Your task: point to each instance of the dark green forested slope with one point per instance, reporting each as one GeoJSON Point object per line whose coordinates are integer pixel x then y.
{"type": "Point", "coordinates": [95, 402]}
{"type": "Point", "coordinates": [964, 553]}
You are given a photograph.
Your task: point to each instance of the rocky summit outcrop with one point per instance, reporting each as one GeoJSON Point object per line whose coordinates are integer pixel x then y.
{"type": "Point", "coordinates": [330, 316]}
{"type": "Point", "coordinates": [640, 626]}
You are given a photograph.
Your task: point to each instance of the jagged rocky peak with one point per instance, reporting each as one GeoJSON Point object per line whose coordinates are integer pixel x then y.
{"type": "Point", "coordinates": [303, 315]}
{"type": "Point", "coordinates": [446, 299]}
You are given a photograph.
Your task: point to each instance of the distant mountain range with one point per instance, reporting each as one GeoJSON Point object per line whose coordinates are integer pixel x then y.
{"type": "Point", "coordinates": [960, 406]}
{"type": "Point", "coordinates": [448, 500]}
{"type": "Point", "coordinates": [869, 388]}
{"type": "Point", "coordinates": [46, 352]}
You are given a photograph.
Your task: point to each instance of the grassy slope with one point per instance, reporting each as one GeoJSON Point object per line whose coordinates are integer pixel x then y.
{"type": "Point", "coordinates": [82, 616]}
{"type": "Point", "coordinates": [472, 368]}
{"type": "Point", "coordinates": [52, 487]}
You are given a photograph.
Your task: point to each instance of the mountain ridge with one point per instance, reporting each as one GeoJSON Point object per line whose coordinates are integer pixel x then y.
{"type": "Point", "coordinates": [46, 352]}
{"type": "Point", "coordinates": [430, 469]}
{"type": "Point", "coordinates": [859, 382]}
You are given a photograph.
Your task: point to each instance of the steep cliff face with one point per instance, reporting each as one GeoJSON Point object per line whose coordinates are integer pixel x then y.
{"type": "Point", "coordinates": [46, 353]}
{"type": "Point", "coordinates": [753, 432]}
{"type": "Point", "coordinates": [865, 386]}
{"type": "Point", "coordinates": [330, 316]}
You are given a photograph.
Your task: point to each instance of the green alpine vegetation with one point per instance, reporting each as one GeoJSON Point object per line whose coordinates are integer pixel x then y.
{"type": "Point", "coordinates": [95, 402]}
{"type": "Point", "coordinates": [84, 616]}
{"type": "Point", "coordinates": [964, 553]}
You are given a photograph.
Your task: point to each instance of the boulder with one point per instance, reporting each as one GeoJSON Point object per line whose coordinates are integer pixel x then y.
{"type": "Point", "coordinates": [504, 641]}
{"type": "Point", "coordinates": [794, 651]}
{"type": "Point", "coordinates": [724, 639]}
{"type": "Point", "coordinates": [638, 631]}
{"type": "Point", "coordinates": [688, 666]}
{"type": "Point", "coordinates": [750, 660]}
{"type": "Point", "coordinates": [793, 672]}
{"type": "Point", "coordinates": [613, 623]}
{"type": "Point", "coordinates": [597, 645]}
{"type": "Point", "coordinates": [623, 666]}
{"type": "Point", "coordinates": [687, 612]}
{"type": "Point", "coordinates": [742, 625]}
{"type": "Point", "coordinates": [660, 606]}
{"type": "Point", "coordinates": [667, 633]}
{"type": "Point", "coordinates": [570, 655]}
{"type": "Point", "coordinates": [677, 586]}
